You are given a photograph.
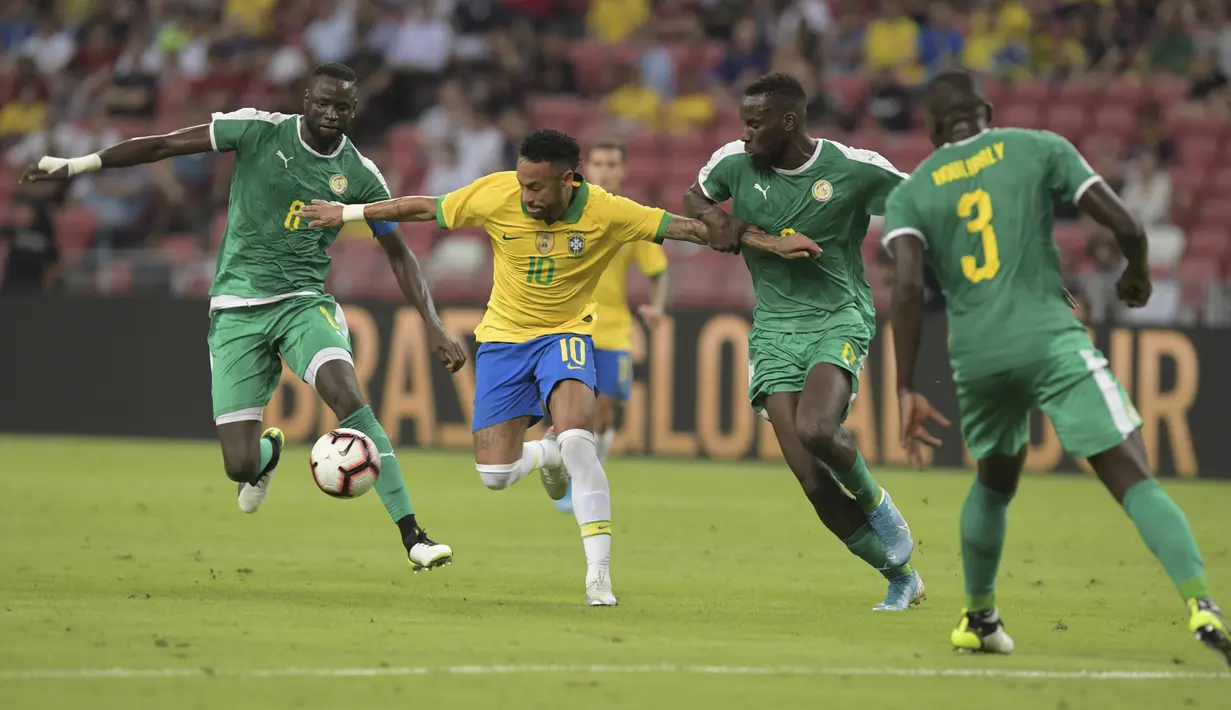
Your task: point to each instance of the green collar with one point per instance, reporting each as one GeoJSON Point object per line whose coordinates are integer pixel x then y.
{"type": "Point", "coordinates": [572, 215]}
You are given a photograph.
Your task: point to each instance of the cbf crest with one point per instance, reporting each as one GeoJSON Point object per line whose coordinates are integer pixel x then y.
{"type": "Point", "coordinates": [545, 242]}
{"type": "Point", "coordinates": [576, 244]}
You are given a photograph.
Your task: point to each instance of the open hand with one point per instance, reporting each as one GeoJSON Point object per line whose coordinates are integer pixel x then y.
{"type": "Point", "coordinates": [1134, 287]}
{"type": "Point", "coordinates": [916, 411]}
{"type": "Point", "coordinates": [322, 213]}
{"type": "Point", "coordinates": [652, 315]}
{"type": "Point", "coordinates": [796, 246]}
{"type": "Point", "coordinates": [445, 347]}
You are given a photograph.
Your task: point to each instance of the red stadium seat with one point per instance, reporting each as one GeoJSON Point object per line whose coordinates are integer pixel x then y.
{"type": "Point", "coordinates": [1198, 152]}
{"type": "Point", "coordinates": [1167, 90]}
{"type": "Point", "coordinates": [1020, 115]}
{"type": "Point", "coordinates": [181, 247]}
{"type": "Point", "coordinates": [1068, 120]}
{"type": "Point", "coordinates": [1207, 244]}
{"type": "Point", "coordinates": [1123, 92]}
{"type": "Point", "coordinates": [848, 89]}
{"type": "Point", "coordinates": [1215, 212]}
{"type": "Point", "coordinates": [1115, 121]}
{"type": "Point", "coordinates": [1036, 93]}
{"type": "Point", "coordinates": [75, 228]}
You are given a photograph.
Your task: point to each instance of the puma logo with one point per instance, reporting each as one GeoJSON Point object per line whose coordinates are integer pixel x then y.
{"type": "Point", "coordinates": [763, 190]}
{"type": "Point", "coordinates": [286, 162]}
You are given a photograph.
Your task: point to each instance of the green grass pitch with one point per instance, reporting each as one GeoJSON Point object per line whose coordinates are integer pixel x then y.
{"type": "Point", "coordinates": [132, 556]}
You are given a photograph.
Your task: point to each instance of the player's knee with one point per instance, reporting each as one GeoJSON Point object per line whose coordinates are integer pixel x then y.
{"type": "Point", "coordinates": [817, 434]}
{"type": "Point", "coordinates": [496, 476]}
{"type": "Point", "coordinates": [579, 450]}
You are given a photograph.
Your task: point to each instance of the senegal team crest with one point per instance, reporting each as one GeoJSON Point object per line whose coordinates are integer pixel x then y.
{"type": "Point", "coordinates": [338, 183]}
{"type": "Point", "coordinates": [545, 242]}
{"type": "Point", "coordinates": [822, 190]}
{"type": "Point", "coordinates": [576, 244]}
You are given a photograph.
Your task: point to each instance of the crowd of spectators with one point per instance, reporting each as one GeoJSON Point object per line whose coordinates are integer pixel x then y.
{"type": "Point", "coordinates": [77, 75]}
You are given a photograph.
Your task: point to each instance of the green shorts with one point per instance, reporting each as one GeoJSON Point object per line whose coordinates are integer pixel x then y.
{"type": "Point", "coordinates": [1083, 400]}
{"type": "Point", "coordinates": [780, 362]}
{"type": "Point", "coordinates": [247, 346]}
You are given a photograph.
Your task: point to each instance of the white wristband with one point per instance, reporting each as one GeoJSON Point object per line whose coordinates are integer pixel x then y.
{"type": "Point", "coordinates": [353, 213]}
{"type": "Point", "coordinates": [76, 166]}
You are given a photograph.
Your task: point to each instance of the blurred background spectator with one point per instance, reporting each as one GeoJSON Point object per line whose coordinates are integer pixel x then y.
{"type": "Point", "coordinates": [450, 86]}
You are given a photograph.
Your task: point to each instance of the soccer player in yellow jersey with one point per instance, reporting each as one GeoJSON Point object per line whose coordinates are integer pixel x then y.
{"type": "Point", "coordinates": [613, 328]}
{"type": "Point", "coordinates": [552, 234]}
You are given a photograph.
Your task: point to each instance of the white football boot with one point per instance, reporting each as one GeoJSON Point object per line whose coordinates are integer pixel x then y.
{"type": "Point", "coordinates": [598, 587]}
{"type": "Point", "coordinates": [252, 496]}
{"type": "Point", "coordinates": [555, 479]}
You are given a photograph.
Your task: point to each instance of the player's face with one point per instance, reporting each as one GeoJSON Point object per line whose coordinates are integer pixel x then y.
{"type": "Point", "coordinates": [766, 131]}
{"type": "Point", "coordinates": [328, 108]}
{"type": "Point", "coordinates": [543, 188]}
{"type": "Point", "coordinates": [605, 168]}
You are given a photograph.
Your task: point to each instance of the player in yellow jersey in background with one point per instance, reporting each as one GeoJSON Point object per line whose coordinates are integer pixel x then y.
{"type": "Point", "coordinates": [552, 236]}
{"type": "Point", "coordinates": [613, 331]}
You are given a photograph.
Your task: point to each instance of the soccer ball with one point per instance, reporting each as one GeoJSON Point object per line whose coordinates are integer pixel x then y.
{"type": "Point", "coordinates": [345, 463]}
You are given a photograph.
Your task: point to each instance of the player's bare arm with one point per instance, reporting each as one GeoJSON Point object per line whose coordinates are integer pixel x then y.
{"type": "Point", "coordinates": [725, 231]}
{"type": "Point", "coordinates": [793, 246]}
{"type": "Point", "coordinates": [135, 151]}
{"type": "Point", "coordinates": [654, 311]}
{"type": "Point", "coordinates": [1098, 201]}
{"type": "Point", "coordinates": [410, 278]}
{"type": "Point", "coordinates": [399, 209]}
{"type": "Point", "coordinates": [907, 319]}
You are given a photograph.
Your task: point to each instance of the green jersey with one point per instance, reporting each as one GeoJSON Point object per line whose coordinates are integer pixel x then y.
{"type": "Point", "coordinates": [983, 209]}
{"type": "Point", "coordinates": [268, 254]}
{"type": "Point", "coordinates": [829, 198]}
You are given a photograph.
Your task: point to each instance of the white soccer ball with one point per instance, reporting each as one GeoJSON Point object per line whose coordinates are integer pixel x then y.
{"type": "Point", "coordinates": [345, 463]}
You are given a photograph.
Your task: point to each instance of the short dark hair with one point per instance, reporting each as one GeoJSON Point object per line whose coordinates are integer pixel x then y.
{"type": "Point", "coordinates": [335, 70]}
{"type": "Point", "coordinates": [953, 90]}
{"type": "Point", "coordinates": [782, 89]}
{"type": "Point", "coordinates": [610, 144]}
{"type": "Point", "coordinates": [547, 145]}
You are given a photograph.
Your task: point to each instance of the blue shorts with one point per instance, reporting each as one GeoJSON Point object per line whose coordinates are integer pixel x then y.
{"type": "Point", "coordinates": [513, 379]}
{"type": "Point", "coordinates": [615, 373]}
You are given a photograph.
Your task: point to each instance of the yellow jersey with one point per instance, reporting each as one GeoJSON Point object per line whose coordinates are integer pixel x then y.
{"type": "Point", "coordinates": [613, 330]}
{"type": "Point", "coordinates": [545, 272]}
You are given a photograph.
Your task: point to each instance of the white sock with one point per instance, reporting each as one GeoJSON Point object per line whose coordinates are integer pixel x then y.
{"type": "Point", "coordinates": [604, 444]}
{"type": "Point", "coordinates": [534, 455]}
{"type": "Point", "coordinates": [591, 495]}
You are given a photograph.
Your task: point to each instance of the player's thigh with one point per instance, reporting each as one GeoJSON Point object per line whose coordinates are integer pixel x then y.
{"type": "Point", "coordinates": [310, 332]}
{"type": "Point", "coordinates": [1085, 403]}
{"type": "Point", "coordinates": [244, 367]}
{"type": "Point", "coordinates": [567, 380]}
{"type": "Point", "coordinates": [995, 415]}
{"type": "Point", "coordinates": [834, 360]}
{"type": "Point", "coordinates": [506, 400]}
{"type": "Point", "coordinates": [776, 364]}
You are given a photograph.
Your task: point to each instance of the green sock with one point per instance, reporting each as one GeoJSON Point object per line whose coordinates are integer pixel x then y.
{"type": "Point", "coordinates": [1165, 530]}
{"type": "Point", "coordinates": [984, 521]}
{"type": "Point", "coordinates": [389, 484]}
{"type": "Point", "coordinates": [865, 545]}
{"type": "Point", "coordinates": [267, 453]}
{"type": "Point", "coordinates": [858, 481]}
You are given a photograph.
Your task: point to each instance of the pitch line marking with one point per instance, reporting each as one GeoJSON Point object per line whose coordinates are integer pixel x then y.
{"type": "Point", "coordinates": [156, 673]}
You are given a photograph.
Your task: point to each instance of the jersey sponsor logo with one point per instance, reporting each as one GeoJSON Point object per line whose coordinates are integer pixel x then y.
{"type": "Point", "coordinates": [576, 244]}
{"type": "Point", "coordinates": [822, 190]}
{"type": "Point", "coordinates": [286, 162]}
{"type": "Point", "coordinates": [338, 184]}
{"type": "Point", "coordinates": [545, 242]}
{"type": "Point", "coordinates": [763, 190]}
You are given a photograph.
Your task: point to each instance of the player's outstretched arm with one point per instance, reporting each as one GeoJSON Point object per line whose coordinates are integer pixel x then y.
{"type": "Point", "coordinates": [907, 319]}
{"type": "Point", "coordinates": [399, 209]}
{"type": "Point", "coordinates": [410, 279]}
{"type": "Point", "coordinates": [725, 231]}
{"type": "Point", "coordinates": [135, 151]}
{"type": "Point", "coordinates": [1101, 203]}
{"type": "Point", "coordinates": [794, 246]}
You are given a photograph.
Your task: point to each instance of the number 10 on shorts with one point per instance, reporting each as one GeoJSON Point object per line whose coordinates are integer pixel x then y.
{"type": "Point", "coordinates": [573, 352]}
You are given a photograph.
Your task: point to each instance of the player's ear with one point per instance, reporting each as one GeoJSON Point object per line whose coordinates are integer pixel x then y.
{"type": "Point", "coordinates": [788, 121]}
{"type": "Point", "coordinates": [987, 111]}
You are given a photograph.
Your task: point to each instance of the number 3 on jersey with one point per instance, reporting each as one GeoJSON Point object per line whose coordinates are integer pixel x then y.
{"type": "Point", "coordinates": [976, 208]}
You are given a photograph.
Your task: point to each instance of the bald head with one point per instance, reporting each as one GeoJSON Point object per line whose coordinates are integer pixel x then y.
{"type": "Point", "coordinates": [955, 105]}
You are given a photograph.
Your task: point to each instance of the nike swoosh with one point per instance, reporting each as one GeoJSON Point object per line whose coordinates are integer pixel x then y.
{"type": "Point", "coordinates": [507, 238]}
